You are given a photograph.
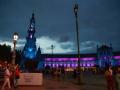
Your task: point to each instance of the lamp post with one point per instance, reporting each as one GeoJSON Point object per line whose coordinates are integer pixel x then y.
{"type": "Point", "coordinates": [78, 45]}
{"type": "Point", "coordinates": [52, 47]}
{"type": "Point", "coordinates": [15, 38]}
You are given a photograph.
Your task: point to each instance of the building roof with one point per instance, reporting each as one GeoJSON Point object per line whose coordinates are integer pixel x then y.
{"type": "Point", "coordinates": [68, 55]}
{"type": "Point", "coordinates": [103, 47]}
{"type": "Point", "coordinates": [75, 55]}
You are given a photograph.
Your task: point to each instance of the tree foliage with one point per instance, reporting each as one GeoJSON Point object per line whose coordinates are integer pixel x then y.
{"type": "Point", "coordinates": [5, 53]}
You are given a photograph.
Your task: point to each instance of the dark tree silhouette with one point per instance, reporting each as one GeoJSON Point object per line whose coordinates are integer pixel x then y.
{"type": "Point", "coordinates": [5, 53]}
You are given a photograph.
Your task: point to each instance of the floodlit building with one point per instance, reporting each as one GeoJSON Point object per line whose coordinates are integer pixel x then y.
{"type": "Point", "coordinates": [104, 55]}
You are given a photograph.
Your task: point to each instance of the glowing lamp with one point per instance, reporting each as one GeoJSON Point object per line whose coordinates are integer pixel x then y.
{"type": "Point", "coordinates": [15, 36]}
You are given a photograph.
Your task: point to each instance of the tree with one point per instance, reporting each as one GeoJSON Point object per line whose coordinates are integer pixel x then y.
{"type": "Point", "coordinates": [5, 53]}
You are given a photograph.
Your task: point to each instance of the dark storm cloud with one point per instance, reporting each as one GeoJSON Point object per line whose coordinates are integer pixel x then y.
{"type": "Point", "coordinates": [64, 39]}
{"type": "Point", "coordinates": [99, 20]}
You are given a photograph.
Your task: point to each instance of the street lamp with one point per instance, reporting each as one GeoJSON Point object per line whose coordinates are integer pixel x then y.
{"type": "Point", "coordinates": [15, 38]}
{"type": "Point", "coordinates": [78, 46]}
{"type": "Point", "coordinates": [52, 47]}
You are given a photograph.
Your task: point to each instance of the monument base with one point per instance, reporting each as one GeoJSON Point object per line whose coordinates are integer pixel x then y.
{"type": "Point", "coordinates": [30, 79]}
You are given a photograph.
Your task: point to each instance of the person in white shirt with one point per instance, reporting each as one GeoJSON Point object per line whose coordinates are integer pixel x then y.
{"type": "Point", "coordinates": [110, 70]}
{"type": "Point", "coordinates": [6, 78]}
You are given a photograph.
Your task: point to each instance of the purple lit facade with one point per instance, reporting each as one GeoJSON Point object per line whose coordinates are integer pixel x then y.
{"type": "Point", "coordinates": [72, 62]}
{"type": "Point", "coordinates": [104, 56]}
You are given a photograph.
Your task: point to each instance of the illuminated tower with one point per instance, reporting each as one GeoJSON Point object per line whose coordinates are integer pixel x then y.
{"type": "Point", "coordinates": [105, 56]}
{"type": "Point", "coordinates": [30, 49]}
{"type": "Point", "coordinates": [31, 56]}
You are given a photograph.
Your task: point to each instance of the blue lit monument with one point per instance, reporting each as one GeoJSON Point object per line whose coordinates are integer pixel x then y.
{"type": "Point", "coordinates": [30, 54]}
{"type": "Point", "coordinates": [30, 49]}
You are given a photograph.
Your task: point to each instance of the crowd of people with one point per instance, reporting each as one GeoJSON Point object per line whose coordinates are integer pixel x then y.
{"type": "Point", "coordinates": [111, 75]}
{"type": "Point", "coordinates": [54, 72]}
{"type": "Point", "coordinates": [10, 73]}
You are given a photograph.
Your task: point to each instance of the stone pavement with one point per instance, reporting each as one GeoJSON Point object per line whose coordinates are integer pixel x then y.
{"type": "Point", "coordinates": [50, 84]}
{"type": "Point", "coordinates": [93, 82]}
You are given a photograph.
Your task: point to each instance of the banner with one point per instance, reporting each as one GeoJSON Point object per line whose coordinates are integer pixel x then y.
{"type": "Point", "coordinates": [30, 79]}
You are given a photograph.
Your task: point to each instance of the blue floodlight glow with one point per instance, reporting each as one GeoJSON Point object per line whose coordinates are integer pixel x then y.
{"type": "Point", "coordinates": [30, 49]}
{"type": "Point", "coordinates": [30, 53]}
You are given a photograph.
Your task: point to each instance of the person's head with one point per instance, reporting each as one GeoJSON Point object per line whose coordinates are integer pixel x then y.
{"type": "Point", "coordinates": [110, 67]}
{"type": "Point", "coordinates": [17, 67]}
{"type": "Point", "coordinates": [7, 67]}
{"type": "Point", "coordinates": [5, 62]}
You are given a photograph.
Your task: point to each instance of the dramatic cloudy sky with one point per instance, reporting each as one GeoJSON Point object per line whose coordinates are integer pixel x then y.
{"type": "Point", "coordinates": [99, 23]}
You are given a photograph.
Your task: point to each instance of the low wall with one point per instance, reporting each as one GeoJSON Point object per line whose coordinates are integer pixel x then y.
{"type": "Point", "coordinates": [30, 79]}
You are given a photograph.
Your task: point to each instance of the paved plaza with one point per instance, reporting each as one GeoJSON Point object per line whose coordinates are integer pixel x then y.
{"type": "Point", "coordinates": [90, 82]}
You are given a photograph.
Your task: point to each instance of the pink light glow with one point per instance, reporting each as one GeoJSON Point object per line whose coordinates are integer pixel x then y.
{"type": "Point", "coordinates": [90, 58]}
{"type": "Point", "coordinates": [116, 57]}
{"type": "Point", "coordinates": [45, 65]}
{"type": "Point", "coordinates": [88, 64]}
{"type": "Point", "coordinates": [64, 65]}
{"type": "Point", "coordinates": [71, 59]}
{"type": "Point", "coordinates": [53, 59]}
{"type": "Point", "coordinates": [84, 64]}
{"type": "Point", "coordinates": [48, 59]}
{"type": "Point", "coordinates": [64, 59]}
{"type": "Point", "coordinates": [73, 65]}
{"type": "Point", "coordinates": [68, 65]}
{"type": "Point", "coordinates": [53, 65]}
{"type": "Point", "coordinates": [76, 65]}
{"type": "Point", "coordinates": [59, 59]}
{"type": "Point", "coordinates": [92, 64]}
{"type": "Point", "coordinates": [57, 65]}
{"type": "Point", "coordinates": [80, 64]}
{"type": "Point", "coordinates": [49, 64]}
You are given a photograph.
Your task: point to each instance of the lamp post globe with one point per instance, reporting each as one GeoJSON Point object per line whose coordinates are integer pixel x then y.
{"type": "Point", "coordinates": [76, 9]}
{"type": "Point", "coordinates": [15, 38]}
